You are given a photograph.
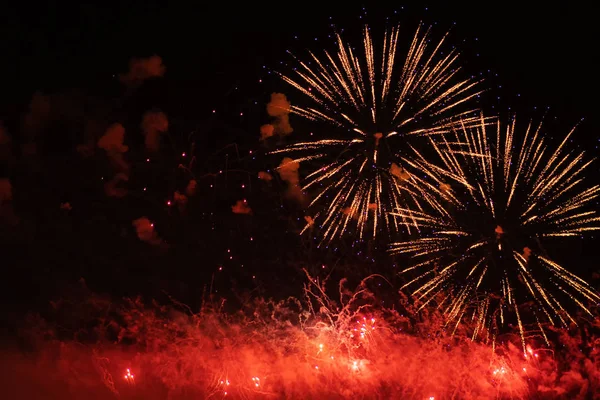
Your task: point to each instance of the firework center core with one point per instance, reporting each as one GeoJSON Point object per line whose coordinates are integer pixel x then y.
{"type": "Point", "coordinates": [377, 137]}
{"type": "Point", "coordinates": [499, 232]}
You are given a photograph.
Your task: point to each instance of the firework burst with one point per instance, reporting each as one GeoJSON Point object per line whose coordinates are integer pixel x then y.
{"type": "Point", "coordinates": [485, 255]}
{"type": "Point", "coordinates": [372, 106]}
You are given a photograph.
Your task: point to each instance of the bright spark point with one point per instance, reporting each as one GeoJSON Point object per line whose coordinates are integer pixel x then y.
{"type": "Point", "coordinates": [129, 376]}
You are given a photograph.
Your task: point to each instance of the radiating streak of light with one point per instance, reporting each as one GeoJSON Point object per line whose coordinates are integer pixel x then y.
{"type": "Point", "coordinates": [508, 195]}
{"type": "Point", "coordinates": [370, 100]}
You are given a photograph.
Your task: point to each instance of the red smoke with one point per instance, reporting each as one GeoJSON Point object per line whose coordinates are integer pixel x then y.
{"type": "Point", "coordinates": [141, 69]}
{"type": "Point", "coordinates": [317, 347]}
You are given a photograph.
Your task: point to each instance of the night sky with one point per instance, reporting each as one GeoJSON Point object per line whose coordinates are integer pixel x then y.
{"type": "Point", "coordinates": [543, 53]}
{"type": "Point", "coordinates": [535, 61]}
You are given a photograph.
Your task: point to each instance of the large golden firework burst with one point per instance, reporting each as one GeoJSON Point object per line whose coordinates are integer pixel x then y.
{"type": "Point", "coordinates": [371, 104]}
{"type": "Point", "coordinates": [485, 255]}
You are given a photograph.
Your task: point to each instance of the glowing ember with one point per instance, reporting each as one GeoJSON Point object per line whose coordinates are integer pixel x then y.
{"type": "Point", "coordinates": [129, 376]}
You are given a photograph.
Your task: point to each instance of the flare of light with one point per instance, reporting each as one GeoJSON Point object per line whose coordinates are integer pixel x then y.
{"type": "Point", "coordinates": [489, 255]}
{"type": "Point", "coordinates": [371, 103]}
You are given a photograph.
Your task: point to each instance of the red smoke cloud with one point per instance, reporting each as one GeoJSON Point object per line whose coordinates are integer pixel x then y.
{"type": "Point", "coordinates": [142, 69]}
{"type": "Point", "coordinates": [315, 347]}
{"type": "Point", "coordinates": [279, 108]}
{"type": "Point", "coordinates": [241, 207]}
{"type": "Point", "coordinates": [154, 123]}
{"type": "Point", "coordinates": [145, 231]}
{"type": "Point", "coordinates": [112, 142]}
{"type": "Point", "coordinates": [288, 171]}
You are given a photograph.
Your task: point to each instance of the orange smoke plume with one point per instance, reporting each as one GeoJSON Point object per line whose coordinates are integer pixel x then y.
{"type": "Point", "coordinates": [265, 176]}
{"type": "Point", "coordinates": [352, 212]}
{"type": "Point", "coordinates": [279, 108]}
{"type": "Point", "coordinates": [279, 105]}
{"type": "Point", "coordinates": [266, 131]}
{"type": "Point", "coordinates": [399, 172]}
{"type": "Point", "coordinates": [526, 253]}
{"type": "Point", "coordinates": [444, 187]}
{"type": "Point", "coordinates": [112, 140]}
{"type": "Point", "coordinates": [282, 125]}
{"type": "Point", "coordinates": [241, 207]}
{"type": "Point", "coordinates": [288, 171]}
{"type": "Point", "coordinates": [499, 232]}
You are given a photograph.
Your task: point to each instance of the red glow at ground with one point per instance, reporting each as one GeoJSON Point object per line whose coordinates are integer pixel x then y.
{"type": "Point", "coordinates": [314, 348]}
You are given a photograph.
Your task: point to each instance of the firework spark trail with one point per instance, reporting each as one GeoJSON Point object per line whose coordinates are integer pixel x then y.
{"type": "Point", "coordinates": [508, 197]}
{"type": "Point", "coordinates": [372, 106]}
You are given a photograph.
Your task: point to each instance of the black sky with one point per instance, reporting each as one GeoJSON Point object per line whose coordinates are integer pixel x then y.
{"type": "Point", "coordinates": [534, 59]}
{"type": "Point", "coordinates": [544, 53]}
